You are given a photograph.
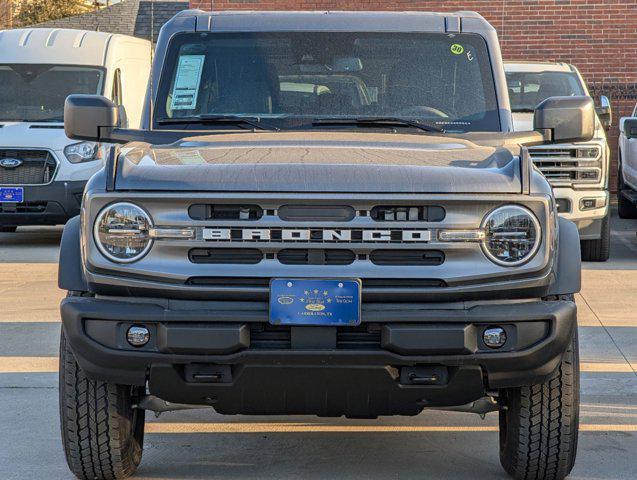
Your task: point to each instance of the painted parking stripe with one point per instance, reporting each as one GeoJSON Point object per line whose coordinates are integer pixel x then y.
{"type": "Point", "coordinates": [186, 428]}
{"type": "Point", "coordinates": [11, 364]}
{"type": "Point", "coordinates": [606, 367]}
{"type": "Point", "coordinates": [28, 364]}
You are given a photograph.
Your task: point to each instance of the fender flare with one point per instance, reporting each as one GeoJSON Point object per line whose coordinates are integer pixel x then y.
{"type": "Point", "coordinates": [70, 270]}
{"type": "Point", "coordinates": [568, 269]}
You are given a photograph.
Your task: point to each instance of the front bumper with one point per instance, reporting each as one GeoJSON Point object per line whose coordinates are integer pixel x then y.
{"type": "Point", "coordinates": [51, 204]}
{"type": "Point", "coordinates": [588, 220]}
{"type": "Point", "coordinates": [402, 358]}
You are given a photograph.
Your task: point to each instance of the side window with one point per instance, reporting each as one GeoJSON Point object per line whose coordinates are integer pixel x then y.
{"type": "Point", "coordinates": [117, 88]}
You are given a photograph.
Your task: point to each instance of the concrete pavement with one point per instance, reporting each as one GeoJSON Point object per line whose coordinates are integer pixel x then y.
{"type": "Point", "coordinates": [201, 444]}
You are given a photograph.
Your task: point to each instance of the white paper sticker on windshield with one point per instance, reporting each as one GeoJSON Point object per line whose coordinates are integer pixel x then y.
{"type": "Point", "coordinates": [186, 87]}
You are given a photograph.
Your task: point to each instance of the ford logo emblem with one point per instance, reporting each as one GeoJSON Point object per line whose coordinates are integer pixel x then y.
{"type": "Point", "coordinates": [10, 162]}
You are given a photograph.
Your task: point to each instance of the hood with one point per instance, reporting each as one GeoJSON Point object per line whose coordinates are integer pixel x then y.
{"type": "Point", "coordinates": [33, 135]}
{"type": "Point", "coordinates": [320, 162]}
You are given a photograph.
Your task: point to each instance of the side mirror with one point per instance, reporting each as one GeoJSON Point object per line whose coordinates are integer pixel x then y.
{"type": "Point", "coordinates": [629, 127]}
{"type": "Point", "coordinates": [605, 112]}
{"type": "Point", "coordinates": [86, 115]}
{"type": "Point", "coordinates": [566, 119]}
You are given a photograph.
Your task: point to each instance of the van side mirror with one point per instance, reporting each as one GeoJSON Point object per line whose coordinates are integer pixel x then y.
{"type": "Point", "coordinates": [566, 119]}
{"type": "Point", "coordinates": [629, 127]}
{"type": "Point", "coordinates": [605, 112]}
{"type": "Point", "coordinates": [85, 116]}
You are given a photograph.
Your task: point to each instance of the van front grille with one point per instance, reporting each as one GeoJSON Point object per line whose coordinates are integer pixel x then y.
{"type": "Point", "coordinates": [34, 167]}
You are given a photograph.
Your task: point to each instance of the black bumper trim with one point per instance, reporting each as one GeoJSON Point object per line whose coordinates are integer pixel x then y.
{"type": "Point", "coordinates": [61, 201]}
{"type": "Point", "coordinates": [501, 369]}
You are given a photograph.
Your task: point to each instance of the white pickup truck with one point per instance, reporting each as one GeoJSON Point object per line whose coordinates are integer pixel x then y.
{"type": "Point", "coordinates": [578, 172]}
{"type": "Point", "coordinates": [627, 172]}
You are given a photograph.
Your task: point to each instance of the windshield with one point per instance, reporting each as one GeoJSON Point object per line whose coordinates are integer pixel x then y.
{"type": "Point", "coordinates": [528, 90]}
{"type": "Point", "coordinates": [295, 78]}
{"type": "Point", "coordinates": [36, 93]}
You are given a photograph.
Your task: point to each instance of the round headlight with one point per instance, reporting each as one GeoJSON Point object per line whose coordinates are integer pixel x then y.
{"type": "Point", "coordinates": [122, 232]}
{"type": "Point", "coordinates": [512, 235]}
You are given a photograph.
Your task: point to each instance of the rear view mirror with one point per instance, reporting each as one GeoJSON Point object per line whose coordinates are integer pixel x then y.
{"type": "Point", "coordinates": [566, 119]}
{"type": "Point", "coordinates": [629, 127]}
{"type": "Point", "coordinates": [85, 116]}
{"type": "Point", "coordinates": [605, 112]}
{"type": "Point", "coordinates": [347, 64]}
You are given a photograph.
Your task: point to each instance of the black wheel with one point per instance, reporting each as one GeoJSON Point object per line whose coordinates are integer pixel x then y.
{"type": "Point", "coordinates": [598, 250]}
{"type": "Point", "coordinates": [8, 229]}
{"type": "Point", "coordinates": [625, 209]}
{"type": "Point", "coordinates": [539, 427]}
{"type": "Point", "coordinates": [102, 433]}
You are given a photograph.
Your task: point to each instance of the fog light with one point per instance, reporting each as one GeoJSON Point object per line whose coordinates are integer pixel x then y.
{"type": "Point", "coordinates": [494, 337]}
{"type": "Point", "coordinates": [138, 336]}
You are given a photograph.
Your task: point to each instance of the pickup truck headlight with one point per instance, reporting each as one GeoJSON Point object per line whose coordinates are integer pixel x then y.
{"type": "Point", "coordinates": [512, 235]}
{"type": "Point", "coordinates": [122, 232]}
{"type": "Point", "coordinates": [82, 152]}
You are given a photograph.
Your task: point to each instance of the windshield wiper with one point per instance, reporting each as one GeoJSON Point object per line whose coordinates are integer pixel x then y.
{"type": "Point", "coordinates": [254, 122]}
{"type": "Point", "coordinates": [523, 110]}
{"type": "Point", "coordinates": [379, 121]}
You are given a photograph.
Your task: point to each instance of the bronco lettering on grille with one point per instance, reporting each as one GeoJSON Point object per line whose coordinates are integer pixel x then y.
{"type": "Point", "coordinates": [315, 235]}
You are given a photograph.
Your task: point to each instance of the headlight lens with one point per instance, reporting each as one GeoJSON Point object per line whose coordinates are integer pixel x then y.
{"type": "Point", "coordinates": [122, 232]}
{"type": "Point", "coordinates": [512, 235]}
{"type": "Point", "coordinates": [82, 152]}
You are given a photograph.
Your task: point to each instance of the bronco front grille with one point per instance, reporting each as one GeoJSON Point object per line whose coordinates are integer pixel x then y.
{"type": "Point", "coordinates": [37, 167]}
{"type": "Point", "coordinates": [564, 166]}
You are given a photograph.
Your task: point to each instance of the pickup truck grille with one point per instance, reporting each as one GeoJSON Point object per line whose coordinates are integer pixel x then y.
{"type": "Point", "coordinates": [564, 166]}
{"type": "Point", "coordinates": [37, 167]}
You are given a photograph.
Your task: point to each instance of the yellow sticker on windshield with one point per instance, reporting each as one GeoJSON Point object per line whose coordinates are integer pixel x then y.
{"type": "Point", "coordinates": [457, 49]}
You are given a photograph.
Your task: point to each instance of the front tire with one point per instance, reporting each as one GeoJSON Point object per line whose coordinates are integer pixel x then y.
{"type": "Point", "coordinates": [539, 427]}
{"type": "Point", "coordinates": [598, 250]}
{"type": "Point", "coordinates": [102, 433]}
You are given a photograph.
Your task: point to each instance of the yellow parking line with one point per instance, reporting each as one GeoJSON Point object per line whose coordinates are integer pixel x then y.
{"type": "Point", "coordinates": [606, 367]}
{"type": "Point", "coordinates": [28, 364]}
{"type": "Point", "coordinates": [181, 428]}
{"type": "Point", "coordinates": [10, 364]}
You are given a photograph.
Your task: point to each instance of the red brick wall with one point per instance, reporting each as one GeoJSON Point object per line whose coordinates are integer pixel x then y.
{"type": "Point", "coordinates": [598, 36]}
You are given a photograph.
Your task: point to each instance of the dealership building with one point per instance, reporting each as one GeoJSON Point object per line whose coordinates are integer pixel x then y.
{"type": "Point", "coordinates": [597, 36]}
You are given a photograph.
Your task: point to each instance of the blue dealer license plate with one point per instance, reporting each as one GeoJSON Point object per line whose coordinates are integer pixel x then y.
{"type": "Point", "coordinates": [11, 194]}
{"type": "Point", "coordinates": [315, 302]}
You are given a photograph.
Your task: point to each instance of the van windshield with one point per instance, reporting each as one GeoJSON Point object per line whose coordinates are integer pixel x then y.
{"type": "Point", "coordinates": [36, 93]}
{"type": "Point", "coordinates": [292, 79]}
{"type": "Point", "coordinates": [528, 89]}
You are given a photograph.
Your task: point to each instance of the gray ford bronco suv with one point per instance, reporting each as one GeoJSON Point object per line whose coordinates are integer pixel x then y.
{"type": "Point", "coordinates": [326, 214]}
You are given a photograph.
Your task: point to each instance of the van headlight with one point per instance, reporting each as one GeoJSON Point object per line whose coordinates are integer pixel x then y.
{"type": "Point", "coordinates": [512, 235]}
{"type": "Point", "coordinates": [83, 152]}
{"type": "Point", "coordinates": [122, 232]}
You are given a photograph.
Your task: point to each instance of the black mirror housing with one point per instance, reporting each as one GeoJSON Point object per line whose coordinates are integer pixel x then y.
{"type": "Point", "coordinates": [86, 115]}
{"type": "Point", "coordinates": [605, 112]}
{"type": "Point", "coordinates": [566, 119]}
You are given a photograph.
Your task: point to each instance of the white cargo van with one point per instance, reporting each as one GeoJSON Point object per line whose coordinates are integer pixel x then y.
{"type": "Point", "coordinates": [42, 172]}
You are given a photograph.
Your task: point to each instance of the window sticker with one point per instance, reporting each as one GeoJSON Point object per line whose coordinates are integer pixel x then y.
{"type": "Point", "coordinates": [186, 89]}
{"type": "Point", "coordinates": [457, 49]}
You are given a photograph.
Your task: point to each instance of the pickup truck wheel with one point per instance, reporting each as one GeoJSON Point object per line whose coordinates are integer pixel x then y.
{"type": "Point", "coordinates": [102, 433]}
{"type": "Point", "coordinates": [539, 427]}
{"type": "Point", "coordinates": [9, 229]}
{"type": "Point", "coordinates": [598, 250]}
